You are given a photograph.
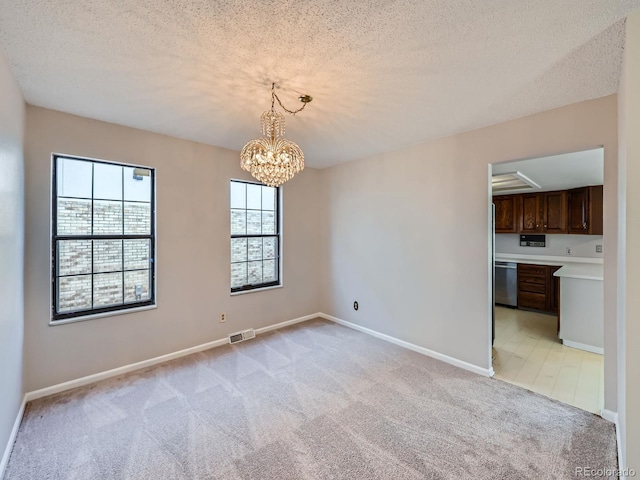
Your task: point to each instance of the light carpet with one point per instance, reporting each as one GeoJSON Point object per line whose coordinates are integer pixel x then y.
{"type": "Point", "coordinates": [312, 401]}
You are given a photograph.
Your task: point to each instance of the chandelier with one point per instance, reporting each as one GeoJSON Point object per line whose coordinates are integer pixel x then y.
{"type": "Point", "coordinates": [273, 159]}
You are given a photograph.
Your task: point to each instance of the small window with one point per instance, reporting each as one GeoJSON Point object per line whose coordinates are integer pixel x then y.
{"type": "Point", "coordinates": [255, 236]}
{"type": "Point", "coordinates": [103, 237]}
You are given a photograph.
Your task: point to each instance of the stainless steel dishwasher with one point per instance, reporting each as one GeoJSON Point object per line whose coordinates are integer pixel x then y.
{"type": "Point", "coordinates": [506, 278]}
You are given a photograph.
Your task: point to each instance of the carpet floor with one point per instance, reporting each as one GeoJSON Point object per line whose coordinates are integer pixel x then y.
{"type": "Point", "coordinates": [313, 401]}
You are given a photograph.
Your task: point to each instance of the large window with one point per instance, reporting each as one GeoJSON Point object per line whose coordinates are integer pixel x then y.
{"type": "Point", "coordinates": [103, 237]}
{"type": "Point", "coordinates": [255, 236]}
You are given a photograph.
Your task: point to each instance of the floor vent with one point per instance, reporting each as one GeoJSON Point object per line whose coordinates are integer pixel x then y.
{"type": "Point", "coordinates": [242, 336]}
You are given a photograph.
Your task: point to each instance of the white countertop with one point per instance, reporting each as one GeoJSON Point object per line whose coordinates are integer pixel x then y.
{"type": "Point", "coordinates": [582, 271]}
{"type": "Point", "coordinates": [548, 259]}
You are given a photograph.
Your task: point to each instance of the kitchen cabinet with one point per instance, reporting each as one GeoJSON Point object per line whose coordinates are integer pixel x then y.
{"type": "Point", "coordinates": [506, 213]}
{"type": "Point", "coordinates": [585, 210]}
{"type": "Point", "coordinates": [576, 211]}
{"type": "Point", "coordinates": [530, 213]}
{"type": "Point", "coordinates": [543, 212]}
{"type": "Point", "coordinates": [532, 286]}
{"type": "Point", "coordinates": [554, 212]}
{"type": "Point", "coordinates": [554, 290]}
{"type": "Point", "coordinates": [538, 288]}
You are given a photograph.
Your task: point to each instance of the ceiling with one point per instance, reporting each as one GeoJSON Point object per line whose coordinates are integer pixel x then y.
{"type": "Point", "coordinates": [558, 172]}
{"type": "Point", "coordinates": [384, 74]}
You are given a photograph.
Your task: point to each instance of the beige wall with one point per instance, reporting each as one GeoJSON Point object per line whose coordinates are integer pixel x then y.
{"type": "Point", "coordinates": [407, 231]}
{"type": "Point", "coordinates": [629, 272]}
{"type": "Point", "coordinates": [193, 240]}
{"type": "Point", "coordinates": [11, 249]}
{"type": "Point", "coordinates": [403, 233]}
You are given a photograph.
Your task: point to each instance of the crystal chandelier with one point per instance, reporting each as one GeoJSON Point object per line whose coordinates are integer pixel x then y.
{"type": "Point", "coordinates": [273, 159]}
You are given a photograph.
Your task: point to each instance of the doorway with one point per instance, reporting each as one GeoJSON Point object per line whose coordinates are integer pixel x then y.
{"type": "Point", "coordinates": [547, 303]}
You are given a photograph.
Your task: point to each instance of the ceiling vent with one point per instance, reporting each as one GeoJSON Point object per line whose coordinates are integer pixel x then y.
{"type": "Point", "coordinates": [242, 336]}
{"type": "Point", "coordinates": [514, 181]}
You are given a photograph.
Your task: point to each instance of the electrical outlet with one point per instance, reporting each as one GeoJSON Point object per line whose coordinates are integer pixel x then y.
{"type": "Point", "coordinates": [355, 306]}
{"type": "Point", "coordinates": [568, 250]}
{"type": "Point", "coordinates": [223, 317]}
{"type": "Point", "coordinates": [598, 248]}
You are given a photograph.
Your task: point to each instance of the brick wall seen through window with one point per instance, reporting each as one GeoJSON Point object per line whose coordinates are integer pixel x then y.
{"type": "Point", "coordinates": [103, 237]}
{"type": "Point", "coordinates": [255, 236]}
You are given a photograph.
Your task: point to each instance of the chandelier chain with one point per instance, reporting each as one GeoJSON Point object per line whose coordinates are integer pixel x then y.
{"type": "Point", "coordinates": [274, 95]}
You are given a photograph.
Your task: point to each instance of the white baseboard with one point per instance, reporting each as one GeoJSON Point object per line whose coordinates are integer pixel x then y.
{"type": "Point", "coordinates": [276, 326]}
{"type": "Point", "coordinates": [487, 372]}
{"type": "Point", "coordinates": [583, 346]}
{"type": "Point", "coordinates": [613, 418]}
{"type": "Point", "coordinates": [622, 462]}
{"type": "Point", "coordinates": [609, 416]}
{"type": "Point", "coordinates": [96, 377]}
{"type": "Point", "coordinates": [12, 438]}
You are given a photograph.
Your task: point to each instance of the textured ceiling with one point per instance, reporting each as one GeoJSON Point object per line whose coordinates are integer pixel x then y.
{"type": "Point", "coordinates": [383, 74]}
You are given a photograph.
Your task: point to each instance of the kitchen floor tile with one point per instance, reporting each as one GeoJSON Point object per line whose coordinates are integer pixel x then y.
{"type": "Point", "coordinates": [527, 353]}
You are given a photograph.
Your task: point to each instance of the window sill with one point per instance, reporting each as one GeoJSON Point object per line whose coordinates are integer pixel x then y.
{"type": "Point", "coordinates": [243, 292]}
{"type": "Point", "coordinates": [94, 316]}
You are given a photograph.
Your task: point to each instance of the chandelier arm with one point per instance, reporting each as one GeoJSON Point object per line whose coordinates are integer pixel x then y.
{"type": "Point", "coordinates": [292, 112]}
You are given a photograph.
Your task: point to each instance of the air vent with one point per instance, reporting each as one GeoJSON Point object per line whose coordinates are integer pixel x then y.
{"type": "Point", "coordinates": [242, 336]}
{"type": "Point", "coordinates": [514, 181]}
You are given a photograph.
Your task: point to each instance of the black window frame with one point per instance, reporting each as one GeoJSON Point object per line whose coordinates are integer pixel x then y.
{"type": "Point", "coordinates": [100, 311]}
{"type": "Point", "coordinates": [277, 282]}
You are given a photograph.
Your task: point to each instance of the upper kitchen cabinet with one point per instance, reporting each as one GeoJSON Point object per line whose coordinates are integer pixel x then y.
{"type": "Point", "coordinates": [530, 213]}
{"type": "Point", "coordinates": [506, 220]}
{"type": "Point", "coordinates": [585, 210]}
{"type": "Point", "coordinates": [543, 212]}
{"type": "Point", "coordinates": [554, 212]}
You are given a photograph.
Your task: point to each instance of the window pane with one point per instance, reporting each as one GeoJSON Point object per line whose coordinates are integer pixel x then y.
{"type": "Point", "coordinates": [137, 184]}
{"type": "Point", "coordinates": [254, 196]}
{"type": "Point", "coordinates": [107, 256]}
{"type": "Point", "coordinates": [268, 222]}
{"type": "Point", "coordinates": [107, 217]}
{"type": "Point", "coordinates": [136, 286]}
{"type": "Point", "coordinates": [255, 249]}
{"type": "Point", "coordinates": [269, 271]}
{"type": "Point", "coordinates": [107, 289]}
{"type": "Point", "coordinates": [238, 195]}
{"type": "Point", "coordinates": [238, 222]}
{"type": "Point", "coordinates": [74, 293]}
{"type": "Point", "coordinates": [74, 217]}
{"type": "Point", "coordinates": [238, 249]}
{"type": "Point", "coordinates": [137, 218]}
{"type": "Point", "coordinates": [269, 248]}
{"type": "Point", "coordinates": [94, 199]}
{"type": "Point", "coordinates": [254, 215]}
{"type": "Point", "coordinates": [253, 222]}
{"type": "Point", "coordinates": [107, 181]}
{"type": "Point", "coordinates": [238, 275]}
{"type": "Point", "coordinates": [74, 257]}
{"type": "Point", "coordinates": [74, 178]}
{"type": "Point", "coordinates": [268, 198]}
{"type": "Point", "coordinates": [136, 254]}
{"type": "Point", "coordinates": [255, 272]}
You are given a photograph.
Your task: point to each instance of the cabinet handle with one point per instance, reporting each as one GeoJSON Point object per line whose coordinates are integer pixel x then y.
{"type": "Point", "coordinates": [584, 226]}
{"type": "Point", "coordinates": [537, 225]}
{"type": "Point", "coordinates": [545, 226]}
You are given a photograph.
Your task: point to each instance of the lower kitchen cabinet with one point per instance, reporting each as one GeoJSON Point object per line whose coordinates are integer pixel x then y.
{"type": "Point", "coordinates": [538, 289]}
